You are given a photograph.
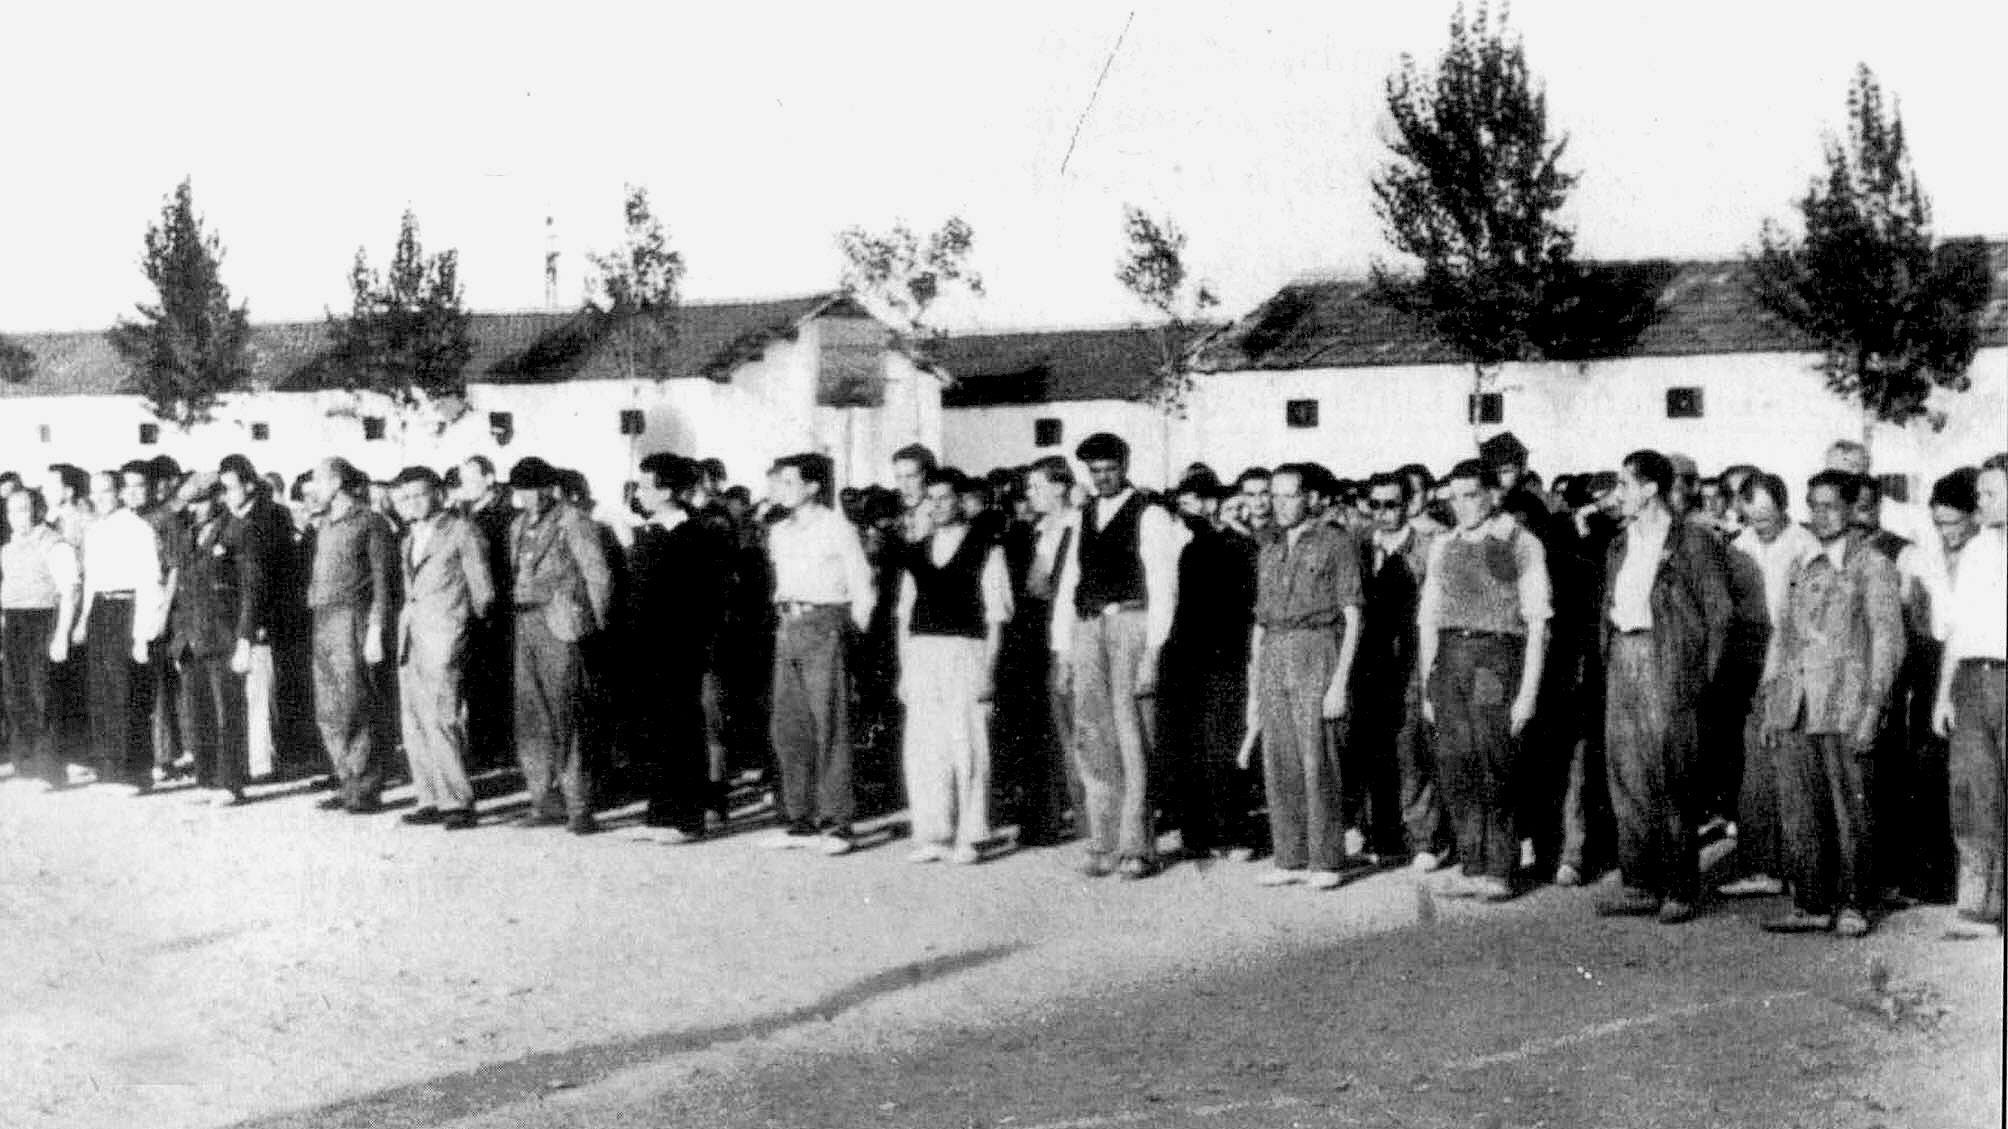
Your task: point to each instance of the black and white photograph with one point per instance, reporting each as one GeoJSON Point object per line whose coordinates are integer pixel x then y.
{"type": "Point", "coordinates": [1057, 566]}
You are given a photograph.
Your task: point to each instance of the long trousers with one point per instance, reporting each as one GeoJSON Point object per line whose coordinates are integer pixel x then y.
{"type": "Point", "coordinates": [1112, 734]}
{"type": "Point", "coordinates": [1032, 763]}
{"type": "Point", "coordinates": [945, 750]}
{"type": "Point", "coordinates": [1300, 766]}
{"type": "Point", "coordinates": [810, 724]}
{"type": "Point", "coordinates": [214, 718]}
{"type": "Point", "coordinates": [165, 711]}
{"type": "Point", "coordinates": [668, 740]}
{"type": "Point", "coordinates": [1202, 707]}
{"type": "Point", "coordinates": [1649, 744]}
{"type": "Point", "coordinates": [1760, 843]}
{"type": "Point", "coordinates": [1390, 769]}
{"type": "Point", "coordinates": [550, 682]}
{"type": "Point", "coordinates": [343, 701]}
{"type": "Point", "coordinates": [120, 695]}
{"type": "Point", "coordinates": [431, 717]}
{"type": "Point", "coordinates": [30, 716]}
{"type": "Point", "coordinates": [490, 691]}
{"type": "Point", "coordinates": [261, 719]}
{"type": "Point", "coordinates": [1977, 768]}
{"type": "Point", "coordinates": [1471, 690]}
{"type": "Point", "coordinates": [1823, 814]}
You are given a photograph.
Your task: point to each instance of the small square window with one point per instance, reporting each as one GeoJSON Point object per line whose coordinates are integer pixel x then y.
{"type": "Point", "coordinates": [1047, 432]}
{"type": "Point", "coordinates": [260, 432]}
{"type": "Point", "coordinates": [633, 422]}
{"type": "Point", "coordinates": [1683, 403]}
{"type": "Point", "coordinates": [1488, 407]}
{"type": "Point", "coordinates": [42, 432]}
{"type": "Point", "coordinates": [149, 434]}
{"type": "Point", "coordinates": [1895, 487]}
{"type": "Point", "coordinates": [1300, 413]}
{"type": "Point", "coordinates": [372, 428]}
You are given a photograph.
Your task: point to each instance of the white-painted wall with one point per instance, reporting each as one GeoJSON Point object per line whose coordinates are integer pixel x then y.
{"type": "Point", "coordinates": [766, 410]}
{"type": "Point", "coordinates": [1765, 408]}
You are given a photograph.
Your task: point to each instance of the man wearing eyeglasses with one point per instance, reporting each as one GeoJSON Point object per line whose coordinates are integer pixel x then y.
{"type": "Point", "coordinates": [1390, 770]}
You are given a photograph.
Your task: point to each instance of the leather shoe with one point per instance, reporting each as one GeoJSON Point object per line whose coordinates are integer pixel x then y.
{"type": "Point", "coordinates": [461, 820]}
{"type": "Point", "coordinates": [582, 825]}
{"type": "Point", "coordinates": [1133, 869]}
{"type": "Point", "coordinates": [366, 807]}
{"type": "Point", "coordinates": [539, 819]}
{"type": "Point", "coordinates": [331, 803]}
{"type": "Point", "coordinates": [423, 816]}
{"type": "Point", "coordinates": [1673, 911]}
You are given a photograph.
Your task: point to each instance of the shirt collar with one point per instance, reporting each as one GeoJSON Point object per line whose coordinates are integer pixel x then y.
{"type": "Point", "coordinates": [675, 517]}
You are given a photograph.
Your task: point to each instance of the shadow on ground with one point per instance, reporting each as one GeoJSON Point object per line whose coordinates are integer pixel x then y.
{"type": "Point", "coordinates": [450, 1097]}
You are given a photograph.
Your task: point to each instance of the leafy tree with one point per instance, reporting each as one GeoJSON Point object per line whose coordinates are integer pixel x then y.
{"type": "Point", "coordinates": [640, 285]}
{"type": "Point", "coordinates": [406, 336]}
{"type": "Point", "coordinates": [1153, 270]}
{"type": "Point", "coordinates": [188, 349]}
{"type": "Point", "coordinates": [1892, 315]}
{"type": "Point", "coordinates": [1472, 191]}
{"type": "Point", "coordinates": [17, 361]}
{"type": "Point", "coordinates": [907, 276]}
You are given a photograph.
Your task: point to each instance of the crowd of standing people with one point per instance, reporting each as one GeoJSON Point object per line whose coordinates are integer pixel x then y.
{"type": "Point", "coordinates": [1494, 682]}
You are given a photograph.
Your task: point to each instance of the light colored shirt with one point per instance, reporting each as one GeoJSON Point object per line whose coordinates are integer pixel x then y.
{"type": "Point", "coordinates": [1056, 533]}
{"type": "Point", "coordinates": [38, 569]}
{"type": "Point", "coordinates": [1977, 610]}
{"type": "Point", "coordinates": [122, 554]}
{"type": "Point", "coordinates": [1532, 585]}
{"type": "Point", "coordinates": [1160, 540]}
{"type": "Point", "coordinates": [1631, 591]}
{"type": "Point", "coordinates": [1775, 561]}
{"type": "Point", "coordinates": [995, 579]}
{"type": "Point", "coordinates": [818, 559]}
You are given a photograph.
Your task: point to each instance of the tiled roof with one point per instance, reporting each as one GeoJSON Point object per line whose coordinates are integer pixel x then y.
{"type": "Point", "coordinates": [1702, 308]}
{"type": "Point", "coordinates": [510, 348]}
{"type": "Point", "coordinates": [1038, 367]}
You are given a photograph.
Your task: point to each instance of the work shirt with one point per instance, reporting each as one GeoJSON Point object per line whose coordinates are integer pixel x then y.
{"type": "Point", "coordinates": [1305, 579]}
{"type": "Point", "coordinates": [1977, 610]}
{"type": "Point", "coordinates": [818, 559]}
{"type": "Point", "coordinates": [352, 562]}
{"type": "Point", "coordinates": [1631, 590]}
{"type": "Point", "coordinates": [1776, 559]}
{"type": "Point", "coordinates": [1160, 540]}
{"type": "Point", "coordinates": [122, 554]}
{"type": "Point", "coordinates": [37, 569]}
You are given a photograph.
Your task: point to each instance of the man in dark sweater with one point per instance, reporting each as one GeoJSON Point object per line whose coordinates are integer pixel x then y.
{"type": "Point", "coordinates": [674, 599]}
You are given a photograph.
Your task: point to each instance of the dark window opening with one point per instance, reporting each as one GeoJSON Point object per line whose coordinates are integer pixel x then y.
{"type": "Point", "coordinates": [1300, 413]}
{"type": "Point", "coordinates": [1047, 432]}
{"type": "Point", "coordinates": [1488, 407]}
{"type": "Point", "coordinates": [1683, 403]}
{"type": "Point", "coordinates": [372, 428]}
{"type": "Point", "coordinates": [42, 431]}
{"type": "Point", "coordinates": [633, 422]}
{"type": "Point", "coordinates": [149, 434]}
{"type": "Point", "coordinates": [260, 432]}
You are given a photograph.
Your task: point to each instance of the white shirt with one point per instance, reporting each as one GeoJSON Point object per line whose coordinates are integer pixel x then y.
{"type": "Point", "coordinates": [1775, 561]}
{"type": "Point", "coordinates": [1631, 591]}
{"type": "Point", "coordinates": [818, 559]}
{"type": "Point", "coordinates": [1160, 540]}
{"type": "Point", "coordinates": [121, 554]}
{"type": "Point", "coordinates": [1977, 611]}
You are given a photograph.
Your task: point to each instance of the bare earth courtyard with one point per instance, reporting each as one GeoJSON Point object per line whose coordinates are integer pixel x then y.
{"type": "Point", "coordinates": [176, 965]}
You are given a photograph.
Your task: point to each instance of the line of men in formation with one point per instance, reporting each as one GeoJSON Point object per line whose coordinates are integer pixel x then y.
{"type": "Point", "coordinates": [1527, 684]}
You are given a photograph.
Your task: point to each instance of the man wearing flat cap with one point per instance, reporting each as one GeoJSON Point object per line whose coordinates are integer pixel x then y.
{"type": "Point", "coordinates": [562, 589]}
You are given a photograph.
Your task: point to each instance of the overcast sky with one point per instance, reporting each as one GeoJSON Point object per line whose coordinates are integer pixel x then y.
{"type": "Point", "coordinates": [761, 131]}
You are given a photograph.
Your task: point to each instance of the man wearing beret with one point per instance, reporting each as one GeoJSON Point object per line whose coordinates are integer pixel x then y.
{"type": "Point", "coordinates": [562, 589]}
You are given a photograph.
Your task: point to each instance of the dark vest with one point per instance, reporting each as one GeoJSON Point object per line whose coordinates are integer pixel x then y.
{"type": "Point", "coordinates": [1111, 563]}
{"type": "Point", "coordinates": [948, 600]}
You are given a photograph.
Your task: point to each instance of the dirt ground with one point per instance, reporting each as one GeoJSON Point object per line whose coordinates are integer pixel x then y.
{"type": "Point", "coordinates": [175, 965]}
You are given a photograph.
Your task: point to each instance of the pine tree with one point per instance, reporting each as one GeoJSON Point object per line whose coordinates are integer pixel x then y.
{"type": "Point", "coordinates": [187, 350]}
{"type": "Point", "coordinates": [406, 336]}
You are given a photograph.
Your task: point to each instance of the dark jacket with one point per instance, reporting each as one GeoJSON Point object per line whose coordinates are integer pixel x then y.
{"type": "Point", "coordinates": [1690, 607]}
{"type": "Point", "coordinates": [208, 602]}
{"type": "Point", "coordinates": [1839, 644]}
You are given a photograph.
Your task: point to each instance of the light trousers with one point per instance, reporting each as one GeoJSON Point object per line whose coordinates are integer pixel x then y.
{"type": "Point", "coordinates": [1112, 738]}
{"type": "Point", "coordinates": [945, 752]}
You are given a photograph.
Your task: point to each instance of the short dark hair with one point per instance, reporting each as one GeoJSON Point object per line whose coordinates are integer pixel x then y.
{"type": "Point", "coordinates": [348, 479]}
{"type": "Point", "coordinates": [424, 474]}
{"type": "Point", "coordinates": [713, 469]}
{"type": "Point", "coordinates": [1475, 470]}
{"type": "Point", "coordinates": [1996, 462]}
{"type": "Point", "coordinates": [73, 477]}
{"type": "Point", "coordinates": [1651, 466]}
{"type": "Point", "coordinates": [1959, 490]}
{"type": "Point", "coordinates": [1311, 478]}
{"type": "Point", "coordinates": [240, 466]}
{"type": "Point", "coordinates": [1057, 470]}
{"type": "Point", "coordinates": [1871, 488]}
{"type": "Point", "coordinates": [671, 472]}
{"type": "Point", "coordinates": [483, 463]}
{"type": "Point", "coordinates": [1103, 447]}
{"type": "Point", "coordinates": [1390, 478]}
{"type": "Point", "coordinates": [948, 476]}
{"type": "Point", "coordinates": [1848, 486]}
{"type": "Point", "coordinates": [1252, 474]}
{"type": "Point", "coordinates": [810, 467]}
{"type": "Point", "coordinates": [917, 453]}
{"type": "Point", "coordinates": [1764, 482]}
{"type": "Point", "coordinates": [38, 506]}
{"type": "Point", "coordinates": [165, 467]}
{"type": "Point", "coordinates": [147, 470]}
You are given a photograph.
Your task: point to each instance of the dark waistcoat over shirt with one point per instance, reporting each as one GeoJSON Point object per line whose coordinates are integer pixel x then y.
{"type": "Point", "coordinates": [1111, 560]}
{"type": "Point", "coordinates": [948, 598]}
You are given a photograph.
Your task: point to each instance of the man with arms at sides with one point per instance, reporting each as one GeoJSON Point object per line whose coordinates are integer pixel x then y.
{"type": "Point", "coordinates": [491, 665]}
{"type": "Point", "coordinates": [1973, 684]}
{"type": "Point", "coordinates": [823, 591]}
{"type": "Point", "coordinates": [124, 611]}
{"type": "Point", "coordinates": [1111, 617]}
{"type": "Point", "coordinates": [674, 601]}
{"type": "Point", "coordinates": [446, 588]}
{"type": "Point", "coordinates": [1840, 644]}
{"type": "Point", "coordinates": [1482, 623]}
{"type": "Point", "coordinates": [1301, 650]}
{"type": "Point", "coordinates": [1394, 763]}
{"type": "Point", "coordinates": [259, 540]}
{"type": "Point", "coordinates": [954, 600]}
{"type": "Point", "coordinates": [349, 594]}
{"type": "Point", "coordinates": [204, 640]}
{"type": "Point", "coordinates": [40, 583]}
{"type": "Point", "coordinates": [1034, 721]}
{"type": "Point", "coordinates": [1666, 623]}
{"type": "Point", "coordinates": [563, 590]}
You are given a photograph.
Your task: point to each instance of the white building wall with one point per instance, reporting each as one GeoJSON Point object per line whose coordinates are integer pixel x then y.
{"type": "Point", "coordinates": [978, 439]}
